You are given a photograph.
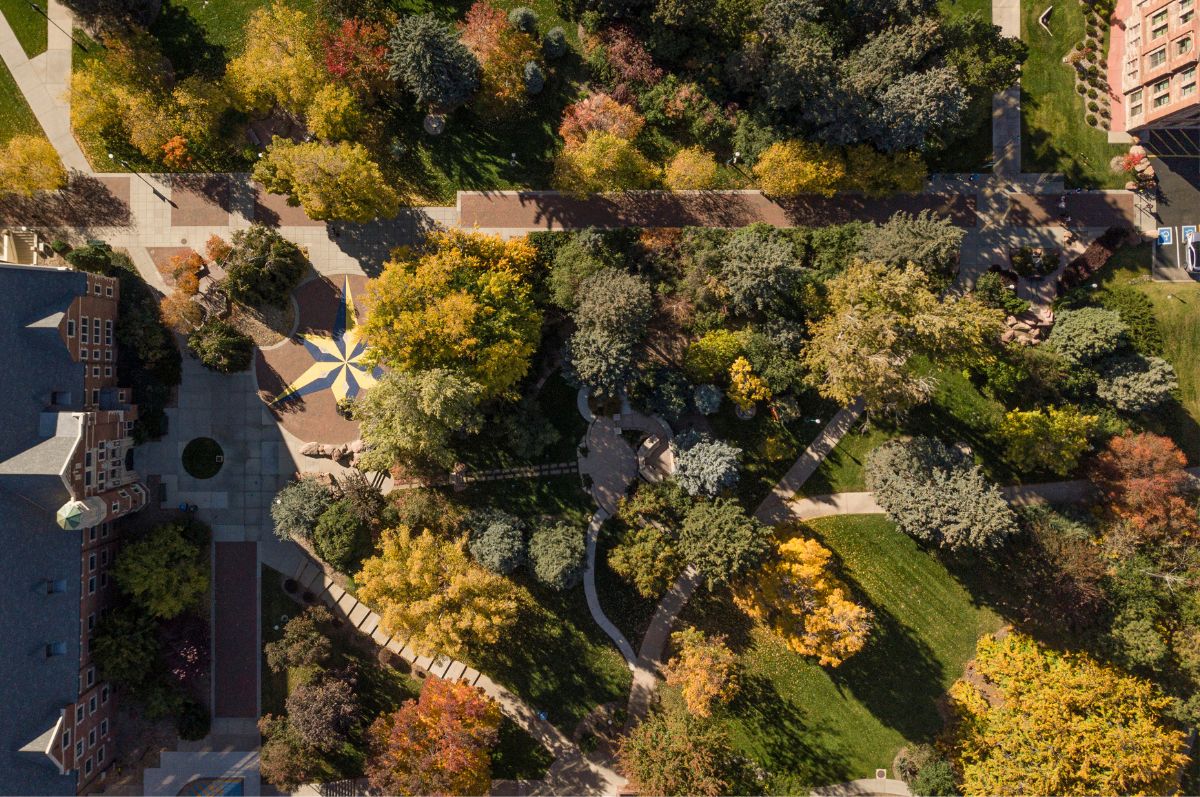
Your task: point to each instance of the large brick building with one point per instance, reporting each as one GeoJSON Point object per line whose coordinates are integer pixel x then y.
{"type": "Point", "coordinates": [1153, 64]}
{"type": "Point", "coordinates": [66, 473]}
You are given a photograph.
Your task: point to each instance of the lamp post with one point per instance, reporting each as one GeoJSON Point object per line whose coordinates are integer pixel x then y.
{"type": "Point", "coordinates": [137, 174]}
{"type": "Point", "coordinates": [39, 9]}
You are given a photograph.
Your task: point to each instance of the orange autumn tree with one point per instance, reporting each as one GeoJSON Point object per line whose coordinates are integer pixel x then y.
{"type": "Point", "coordinates": [1146, 489]}
{"type": "Point", "coordinates": [703, 669]}
{"type": "Point", "coordinates": [178, 310]}
{"type": "Point", "coordinates": [439, 744]}
{"type": "Point", "coordinates": [797, 597]}
{"type": "Point", "coordinates": [502, 52]}
{"type": "Point", "coordinates": [599, 112]}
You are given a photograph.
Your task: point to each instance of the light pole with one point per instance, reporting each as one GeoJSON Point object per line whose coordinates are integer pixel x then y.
{"type": "Point", "coordinates": [78, 43]}
{"type": "Point", "coordinates": [138, 174]}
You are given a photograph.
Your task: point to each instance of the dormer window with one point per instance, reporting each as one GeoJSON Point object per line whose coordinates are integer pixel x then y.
{"type": "Point", "coordinates": [56, 649]}
{"type": "Point", "coordinates": [56, 586]}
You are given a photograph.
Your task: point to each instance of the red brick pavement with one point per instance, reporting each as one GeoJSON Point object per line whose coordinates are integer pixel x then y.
{"type": "Point", "coordinates": [553, 210]}
{"type": "Point", "coordinates": [235, 630]}
{"type": "Point", "coordinates": [1088, 209]}
{"type": "Point", "coordinates": [201, 200]}
{"type": "Point", "coordinates": [314, 417]}
{"type": "Point", "coordinates": [273, 210]}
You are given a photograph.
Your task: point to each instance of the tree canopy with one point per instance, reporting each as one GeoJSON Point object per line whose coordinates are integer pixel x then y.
{"type": "Point", "coordinates": [464, 303]}
{"type": "Point", "coordinates": [165, 572]}
{"type": "Point", "coordinates": [430, 62]}
{"type": "Point", "coordinates": [1100, 731]}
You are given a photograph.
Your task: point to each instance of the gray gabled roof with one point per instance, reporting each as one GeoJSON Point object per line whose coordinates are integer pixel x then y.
{"type": "Point", "coordinates": [35, 687]}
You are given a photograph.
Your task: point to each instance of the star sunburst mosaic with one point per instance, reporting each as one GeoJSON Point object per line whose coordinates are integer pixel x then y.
{"type": "Point", "coordinates": [339, 358]}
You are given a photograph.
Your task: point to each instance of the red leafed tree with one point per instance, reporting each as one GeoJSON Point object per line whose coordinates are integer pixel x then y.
{"type": "Point", "coordinates": [628, 57]}
{"type": "Point", "coordinates": [1143, 481]}
{"type": "Point", "coordinates": [482, 28]}
{"type": "Point", "coordinates": [439, 744]}
{"type": "Point", "coordinates": [502, 51]}
{"type": "Point", "coordinates": [599, 112]}
{"type": "Point", "coordinates": [356, 54]}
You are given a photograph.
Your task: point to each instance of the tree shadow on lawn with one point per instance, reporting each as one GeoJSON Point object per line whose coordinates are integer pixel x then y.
{"type": "Point", "coordinates": [186, 43]}
{"type": "Point", "coordinates": [787, 736]}
{"type": "Point", "coordinates": [555, 666]}
{"type": "Point", "coordinates": [1039, 153]}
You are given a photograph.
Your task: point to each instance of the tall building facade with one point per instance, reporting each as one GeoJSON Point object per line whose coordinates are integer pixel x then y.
{"type": "Point", "coordinates": [1157, 62]}
{"type": "Point", "coordinates": [66, 473]}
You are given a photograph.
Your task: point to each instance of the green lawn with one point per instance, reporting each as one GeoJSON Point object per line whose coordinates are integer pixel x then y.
{"type": "Point", "coordinates": [1054, 135]}
{"type": "Point", "coordinates": [809, 726]}
{"type": "Point", "coordinates": [16, 118]}
{"type": "Point", "coordinates": [29, 25]}
{"type": "Point", "coordinates": [842, 470]}
{"type": "Point", "coordinates": [1176, 308]}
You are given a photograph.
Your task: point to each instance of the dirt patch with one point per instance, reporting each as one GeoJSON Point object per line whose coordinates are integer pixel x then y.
{"type": "Point", "coordinates": [265, 327]}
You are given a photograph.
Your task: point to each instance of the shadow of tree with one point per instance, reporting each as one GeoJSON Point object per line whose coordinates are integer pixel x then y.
{"type": "Point", "coordinates": [86, 201]}
{"type": "Point", "coordinates": [186, 43]}
{"type": "Point", "coordinates": [783, 732]}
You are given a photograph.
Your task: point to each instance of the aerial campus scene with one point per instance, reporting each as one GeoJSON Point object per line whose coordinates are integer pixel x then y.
{"type": "Point", "coordinates": [599, 397]}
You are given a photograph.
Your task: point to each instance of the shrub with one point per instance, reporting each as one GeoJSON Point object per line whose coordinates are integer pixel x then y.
{"type": "Point", "coordinates": [554, 45]}
{"type": "Point", "coordinates": [1093, 258]}
{"type": "Point", "coordinates": [707, 399]}
{"type": "Point", "coordinates": [936, 779]}
{"type": "Point", "coordinates": [1136, 384]}
{"type": "Point", "coordinates": [1081, 88]}
{"type": "Point", "coordinates": [523, 19]}
{"type": "Point", "coordinates": [710, 357]}
{"type": "Point", "coordinates": [1051, 440]}
{"type": "Point", "coordinates": [691, 169]}
{"type": "Point", "coordinates": [304, 644]}
{"type": "Point", "coordinates": [298, 506]}
{"type": "Point", "coordinates": [1086, 335]}
{"type": "Point", "coordinates": [990, 288]}
{"type": "Point", "coordinates": [759, 269]}
{"type": "Point", "coordinates": [323, 712]}
{"type": "Point", "coordinates": [221, 347]}
{"type": "Point", "coordinates": [535, 78]}
{"type": "Point", "coordinates": [789, 168]}
{"type": "Point", "coordinates": [1092, 94]}
{"type": "Point", "coordinates": [1091, 119]}
{"type": "Point", "coordinates": [497, 541]}
{"type": "Point", "coordinates": [704, 466]}
{"type": "Point", "coordinates": [1093, 105]}
{"type": "Point", "coordinates": [556, 555]}
{"type": "Point", "coordinates": [341, 537]}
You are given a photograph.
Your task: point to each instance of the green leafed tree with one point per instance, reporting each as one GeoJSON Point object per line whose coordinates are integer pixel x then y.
{"type": "Point", "coordinates": [722, 541]}
{"type": "Point", "coordinates": [125, 648]}
{"type": "Point", "coordinates": [556, 555]}
{"type": "Point", "coordinates": [305, 642]}
{"type": "Point", "coordinates": [221, 347]}
{"type": "Point", "coordinates": [937, 494]}
{"type": "Point", "coordinates": [430, 62]}
{"type": "Point", "coordinates": [164, 572]}
{"type": "Point", "coordinates": [298, 506]}
{"type": "Point", "coordinates": [929, 241]}
{"type": "Point", "coordinates": [262, 267]}
{"type": "Point", "coordinates": [411, 417]}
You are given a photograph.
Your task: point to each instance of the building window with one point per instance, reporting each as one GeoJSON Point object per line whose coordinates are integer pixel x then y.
{"type": "Point", "coordinates": [79, 716]}
{"type": "Point", "coordinates": [66, 743]}
{"type": "Point", "coordinates": [1186, 9]}
{"type": "Point", "coordinates": [108, 355]}
{"type": "Point", "coordinates": [104, 696]}
{"type": "Point", "coordinates": [83, 330]}
{"type": "Point", "coordinates": [87, 479]}
{"type": "Point", "coordinates": [103, 728]}
{"type": "Point", "coordinates": [96, 396]}
{"type": "Point", "coordinates": [1188, 80]}
{"type": "Point", "coordinates": [104, 531]}
{"type": "Point", "coordinates": [92, 534]}
{"type": "Point", "coordinates": [103, 580]}
{"type": "Point", "coordinates": [83, 354]}
{"type": "Point", "coordinates": [1183, 46]}
{"type": "Point", "coordinates": [1158, 57]}
{"type": "Point", "coordinates": [116, 506]}
{"type": "Point", "coordinates": [108, 291]}
{"type": "Point", "coordinates": [92, 621]}
{"type": "Point", "coordinates": [91, 681]}
{"type": "Point", "coordinates": [108, 333]}
{"type": "Point", "coordinates": [92, 563]}
{"type": "Point", "coordinates": [91, 585]}
{"type": "Point", "coordinates": [79, 749]}
{"type": "Point", "coordinates": [56, 586]}
{"type": "Point", "coordinates": [96, 352]}
{"type": "Point", "coordinates": [91, 738]}
{"type": "Point", "coordinates": [107, 369]}
{"type": "Point", "coordinates": [87, 767]}
{"type": "Point", "coordinates": [100, 752]}
{"type": "Point", "coordinates": [104, 558]}
{"type": "Point", "coordinates": [96, 288]}
{"type": "Point", "coordinates": [70, 327]}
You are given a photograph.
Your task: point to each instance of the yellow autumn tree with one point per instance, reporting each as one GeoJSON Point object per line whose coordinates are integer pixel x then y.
{"type": "Point", "coordinates": [703, 669]}
{"type": "Point", "coordinates": [1036, 721]}
{"type": "Point", "coordinates": [746, 388]}
{"type": "Point", "coordinates": [796, 596]}
{"type": "Point", "coordinates": [789, 168]}
{"type": "Point", "coordinates": [29, 164]}
{"type": "Point", "coordinates": [335, 113]}
{"type": "Point", "coordinates": [330, 181]}
{"type": "Point", "coordinates": [281, 63]}
{"type": "Point", "coordinates": [692, 169]}
{"type": "Point", "coordinates": [426, 589]}
{"type": "Point", "coordinates": [464, 302]}
{"type": "Point", "coordinates": [178, 310]}
{"type": "Point", "coordinates": [604, 161]}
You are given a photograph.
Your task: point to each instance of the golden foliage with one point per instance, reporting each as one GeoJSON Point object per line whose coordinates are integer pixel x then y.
{"type": "Point", "coordinates": [603, 161]}
{"type": "Point", "coordinates": [29, 164]}
{"type": "Point", "coordinates": [704, 670]}
{"type": "Point", "coordinates": [789, 168]}
{"type": "Point", "coordinates": [797, 597]}
{"type": "Point", "coordinates": [692, 169]}
{"type": "Point", "coordinates": [745, 387]}
{"type": "Point", "coordinates": [1038, 721]}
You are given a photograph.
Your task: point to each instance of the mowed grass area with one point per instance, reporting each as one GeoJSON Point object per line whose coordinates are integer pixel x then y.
{"type": "Point", "coordinates": [810, 726]}
{"type": "Point", "coordinates": [1177, 309]}
{"type": "Point", "coordinates": [1055, 136]}
{"type": "Point", "coordinates": [29, 26]}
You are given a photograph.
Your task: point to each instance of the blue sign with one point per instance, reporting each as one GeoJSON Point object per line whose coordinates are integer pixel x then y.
{"type": "Point", "coordinates": [1186, 230]}
{"type": "Point", "coordinates": [1164, 236]}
